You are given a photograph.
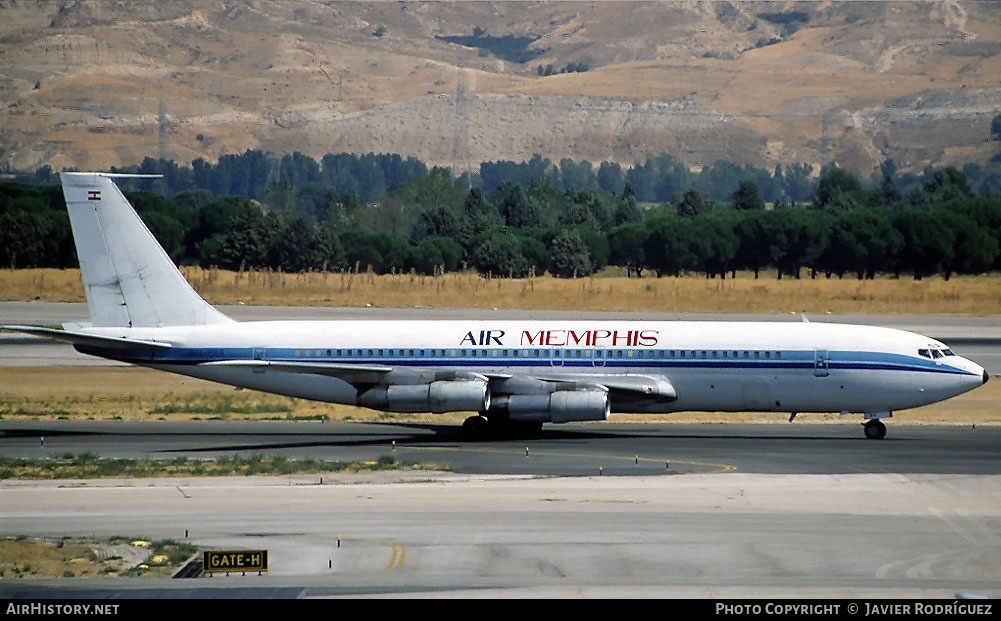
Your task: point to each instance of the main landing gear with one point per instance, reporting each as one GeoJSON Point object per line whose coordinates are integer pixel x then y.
{"type": "Point", "coordinates": [874, 429]}
{"type": "Point", "coordinates": [497, 427]}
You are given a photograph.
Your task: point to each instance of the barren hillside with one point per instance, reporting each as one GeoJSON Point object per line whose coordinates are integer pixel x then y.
{"type": "Point", "coordinates": [93, 84]}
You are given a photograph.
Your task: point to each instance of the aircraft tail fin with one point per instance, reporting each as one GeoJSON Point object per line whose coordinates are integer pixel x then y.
{"type": "Point", "coordinates": [129, 278]}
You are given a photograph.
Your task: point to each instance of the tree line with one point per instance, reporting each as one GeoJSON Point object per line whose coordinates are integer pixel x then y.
{"type": "Point", "coordinates": [390, 214]}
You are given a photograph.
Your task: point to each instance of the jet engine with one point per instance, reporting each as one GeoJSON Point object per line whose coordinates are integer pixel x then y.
{"type": "Point", "coordinates": [562, 406]}
{"type": "Point", "coordinates": [436, 397]}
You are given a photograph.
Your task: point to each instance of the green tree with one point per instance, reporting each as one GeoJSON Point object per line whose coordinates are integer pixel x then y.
{"type": "Point", "coordinates": [626, 244]}
{"type": "Point", "coordinates": [514, 206]}
{"type": "Point", "coordinates": [694, 203]}
{"type": "Point", "coordinates": [756, 240]}
{"type": "Point", "coordinates": [667, 249]}
{"type": "Point", "coordinates": [435, 222]}
{"type": "Point", "coordinates": [862, 241]}
{"type": "Point", "coordinates": [974, 248]}
{"type": "Point", "coordinates": [713, 245]}
{"type": "Point", "coordinates": [747, 196]}
{"type": "Point", "coordinates": [610, 178]}
{"type": "Point", "coordinates": [928, 246]}
{"type": "Point", "coordinates": [535, 252]}
{"type": "Point", "coordinates": [839, 189]}
{"type": "Point", "coordinates": [548, 202]}
{"type": "Point", "coordinates": [383, 252]}
{"type": "Point", "coordinates": [279, 198]}
{"type": "Point", "coordinates": [802, 235]}
{"type": "Point", "coordinates": [500, 254]}
{"type": "Point", "coordinates": [247, 243]}
{"type": "Point", "coordinates": [437, 254]}
{"type": "Point", "coordinates": [797, 183]}
{"type": "Point", "coordinates": [569, 256]}
{"type": "Point", "coordinates": [627, 209]}
{"type": "Point", "coordinates": [478, 215]}
{"type": "Point", "coordinates": [944, 184]}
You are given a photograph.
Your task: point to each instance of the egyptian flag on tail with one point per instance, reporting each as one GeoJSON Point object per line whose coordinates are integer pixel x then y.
{"type": "Point", "coordinates": [93, 195]}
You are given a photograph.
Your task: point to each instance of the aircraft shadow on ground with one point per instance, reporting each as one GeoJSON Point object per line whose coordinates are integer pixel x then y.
{"type": "Point", "coordinates": [420, 434]}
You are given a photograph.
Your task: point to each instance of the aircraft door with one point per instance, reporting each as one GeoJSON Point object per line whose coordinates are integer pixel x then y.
{"type": "Point", "coordinates": [821, 363]}
{"type": "Point", "coordinates": [259, 354]}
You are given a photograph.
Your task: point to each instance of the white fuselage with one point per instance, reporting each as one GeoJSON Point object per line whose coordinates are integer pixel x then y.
{"type": "Point", "coordinates": [712, 366]}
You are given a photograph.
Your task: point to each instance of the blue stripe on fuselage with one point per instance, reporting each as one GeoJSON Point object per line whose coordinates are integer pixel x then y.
{"type": "Point", "coordinates": [609, 359]}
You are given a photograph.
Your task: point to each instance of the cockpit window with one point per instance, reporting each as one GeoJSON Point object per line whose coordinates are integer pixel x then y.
{"type": "Point", "coordinates": [936, 353]}
{"type": "Point", "coordinates": [924, 352]}
{"type": "Point", "coordinates": [948, 352]}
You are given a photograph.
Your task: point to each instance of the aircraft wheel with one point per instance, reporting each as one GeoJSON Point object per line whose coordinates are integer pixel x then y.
{"type": "Point", "coordinates": [475, 429]}
{"type": "Point", "coordinates": [875, 430]}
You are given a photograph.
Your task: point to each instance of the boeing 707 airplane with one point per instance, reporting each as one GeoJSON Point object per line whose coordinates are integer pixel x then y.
{"type": "Point", "coordinates": [515, 375]}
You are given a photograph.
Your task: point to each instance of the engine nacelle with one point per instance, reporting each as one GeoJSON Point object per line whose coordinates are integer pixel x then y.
{"type": "Point", "coordinates": [436, 397]}
{"type": "Point", "coordinates": [562, 406]}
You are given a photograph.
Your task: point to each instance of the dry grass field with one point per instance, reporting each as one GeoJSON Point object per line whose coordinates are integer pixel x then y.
{"type": "Point", "coordinates": [68, 557]}
{"type": "Point", "coordinates": [28, 558]}
{"type": "Point", "coordinates": [127, 393]}
{"type": "Point", "coordinates": [609, 291]}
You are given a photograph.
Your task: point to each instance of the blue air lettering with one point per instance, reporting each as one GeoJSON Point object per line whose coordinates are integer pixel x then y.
{"type": "Point", "coordinates": [486, 337]}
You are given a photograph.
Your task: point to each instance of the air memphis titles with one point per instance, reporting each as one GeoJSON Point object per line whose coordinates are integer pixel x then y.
{"type": "Point", "coordinates": [567, 338]}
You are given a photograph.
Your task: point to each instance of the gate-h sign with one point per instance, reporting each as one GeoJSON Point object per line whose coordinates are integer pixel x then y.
{"type": "Point", "coordinates": [234, 560]}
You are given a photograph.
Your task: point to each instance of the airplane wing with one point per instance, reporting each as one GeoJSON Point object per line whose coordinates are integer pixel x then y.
{"type": "Point", "coordinates": [627, 385]}
{"type": "Point", "coordinates": [655, 387]}
{"type": "Point", "coordinates": [351, 373]}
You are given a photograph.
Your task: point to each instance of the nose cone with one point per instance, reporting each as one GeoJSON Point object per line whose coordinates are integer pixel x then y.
{"type": "Point", "coordinates": [979, 374]}
{"type": "Point", "coordinates": [974, 375]}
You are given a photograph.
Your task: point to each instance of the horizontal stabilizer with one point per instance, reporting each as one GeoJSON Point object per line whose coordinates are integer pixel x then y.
{"type": "Point", "coordinates": [93, 340]}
